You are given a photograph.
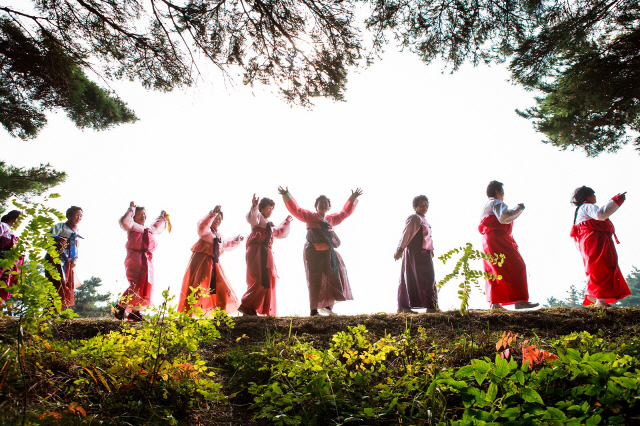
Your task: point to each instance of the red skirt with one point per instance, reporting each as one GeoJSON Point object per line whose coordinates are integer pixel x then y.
{"type": "Point", "coordinates": [258, 297]}
{"type": "Point", "coordinates": [497, 238]}
{"type": "Point", "coordinates": [605, 280]}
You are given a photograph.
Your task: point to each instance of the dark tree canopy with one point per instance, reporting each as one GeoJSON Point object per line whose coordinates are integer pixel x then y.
{"type": "Point", "coordinates": [24, 183]}
{"type": "Point", "coordinates": [86, 297]}
{"type": "Point", "coordinates": [581, 55]}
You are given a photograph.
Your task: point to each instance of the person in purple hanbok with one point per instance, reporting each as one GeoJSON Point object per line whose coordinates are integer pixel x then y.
{"type": "Point", "coordinates": [417, 289]}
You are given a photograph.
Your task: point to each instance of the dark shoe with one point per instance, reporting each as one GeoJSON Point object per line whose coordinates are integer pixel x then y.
{"type": "Point", "coordinates": [118, 312]}
{"type": "Point", "coordinates": [135, 316]}
{"type": "Point", "coordinates": [247, 312]}
{"type": "Point", "coordinates": [406, 311]}
{"type": "Point", "coordinates": [314, 312]}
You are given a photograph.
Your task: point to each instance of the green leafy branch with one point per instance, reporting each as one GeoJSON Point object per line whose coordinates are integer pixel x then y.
{"type": "Point", "coordinates": [468, 275]}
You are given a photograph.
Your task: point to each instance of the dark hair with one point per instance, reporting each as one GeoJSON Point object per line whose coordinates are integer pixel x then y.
{"type": "Point", "coordinates": [493, 188]}
{"type": "Point", "coordinates": [580, 195]}
{"type": "Point", "coordinates": [71, 210]}
{"type": "Point", "coordinates": [12, 215]}
{"type": "Point", "coordinates": [266, 202]}
{"type": "Point", "coordinates": [138, 208]}
{"type": "Point", "coordinates": [322, 197]}
{"type": "Point", "coordinates": [418, 199]}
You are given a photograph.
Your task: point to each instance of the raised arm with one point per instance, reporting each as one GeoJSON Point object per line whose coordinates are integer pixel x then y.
{"type": "Point", "coordinates": [253, 217]}
{"type": "Point", "coordinates": [126, 222]}
{"type": "Point", "coordinates": [283, 230]}
{"type": "Point", "coordinates": [504, 213]}
{"type": "Point", "coordinates": [204, 224]}
{"type": "Point", "coordinates": [605, 211]}
{"type": "Point", "coordinates": [159, 225]}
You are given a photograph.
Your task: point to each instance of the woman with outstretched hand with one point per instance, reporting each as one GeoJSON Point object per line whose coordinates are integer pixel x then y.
{"type": "Point", "coordinates": [204, 269]}
{"type": "Point", "coordinates": [260, 298]}
{"type": "Point", "coordinates": [326, 274]}
{"type": "Point", "coordinates": [417, 287]}
{"type": "Point", "coordinates": [141, 244]}
{"type": "Point", "coordinates": [593, 231]}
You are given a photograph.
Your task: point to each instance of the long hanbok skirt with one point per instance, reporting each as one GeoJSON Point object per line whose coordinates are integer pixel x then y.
{"type": "Point", "coordinates": [605, 280]}
{"type": "Point", "coordinates": [139, 269]}
{"type": "Point", "coordinates": [67, 284]}
{"type": "Point", "coordinates": [259, 298]}
{"type": "Point", "coordinates": [497, 238]}
{"type": "Point", "coordinates": [417, 287]}
{"type": "Point", "coordinates": [325, 287]}
{"type": "Point", "coordinates": [198, 274]}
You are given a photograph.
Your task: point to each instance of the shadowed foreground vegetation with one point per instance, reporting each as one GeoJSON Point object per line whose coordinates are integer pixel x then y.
{"type": "Point", "coordinates": [556, 366]}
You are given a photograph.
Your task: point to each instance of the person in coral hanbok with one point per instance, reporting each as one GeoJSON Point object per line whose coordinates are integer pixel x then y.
{"type": "Point", "coordinates": [66, 238]}
{"type": "Point", "coordinates": [204, 269]}
{"type": "Point", "coordinates": [138, 264]}
{"type": "Point", "coordinates": [417, 288]}
{"type": "Point", "coordinates": [593, 233]}
{"type": "Point", "coordinates": [496, 224]}
{"type": "Point", "coordinates": [8, 240]}
{"type": "Point", "coordinates": [260, 297]}
{"type": "Point", "coordinates": [326, 273]}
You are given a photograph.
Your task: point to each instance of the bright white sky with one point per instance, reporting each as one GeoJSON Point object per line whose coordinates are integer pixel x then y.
{"type": "Point", "coordinates": [406, 129]}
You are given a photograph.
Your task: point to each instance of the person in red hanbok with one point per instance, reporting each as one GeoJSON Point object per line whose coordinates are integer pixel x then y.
{"type": "Point", "coordinates": [204, 269]}
{"type": "Point", "coordinates": [417, 289]}
{"type": "Point", "coordinates": [593, 231]}
{"type": "Point", "coordinates": [141, 244]}
{"type": "Point", "coordinates": [496, 224]}
{"type": "Point", "coordinates": [260, 297]}
{"type": "Point", "coordinates": [326, 273]}
{"type": "Point", "coordinates": [8, 224]}
{"type": "Point", "coordinates": [66, 238]}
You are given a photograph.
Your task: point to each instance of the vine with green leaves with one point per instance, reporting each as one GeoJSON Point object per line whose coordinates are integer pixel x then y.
{"type": "Point", "coordinates": [470, 277]}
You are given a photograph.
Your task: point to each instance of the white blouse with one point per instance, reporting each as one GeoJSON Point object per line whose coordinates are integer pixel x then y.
{"type": "Point", "coordinates": [591, 211]}
{"type": "Point", "coordinates": [5, 230]}
{"type": "Point", "coordinates": [414, 224]}
{"type": "Point", "coordinates": [500, 210]}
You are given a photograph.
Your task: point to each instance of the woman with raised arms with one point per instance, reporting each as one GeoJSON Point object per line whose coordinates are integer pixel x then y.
{"type": "Point", "coordinates": [417, 289]}
{"type": "Point", "coordinates": [204, 269]}
{"type": "Point", "coordinates": [138, 264]}
{"type": "Point", "coordinates": [326, 273]}
{"type": "Point", "coordinates": [260, 298]}
{"type": "Point", "coordinates": [593, 231]}
{"type": "Point", "coordinates": [66, 238]}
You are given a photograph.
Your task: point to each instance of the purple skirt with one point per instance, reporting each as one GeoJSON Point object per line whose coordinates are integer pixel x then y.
{"type": "Point", "coordinates": [417, 287]}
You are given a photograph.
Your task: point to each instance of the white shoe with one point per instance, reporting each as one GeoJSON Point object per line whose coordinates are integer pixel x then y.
{"type": "Point", "coordinates": [327, 311]}
{"type": "Point", "coordinates": [497, 307]}
{"type": "Point", "coordinates": [526, 305]}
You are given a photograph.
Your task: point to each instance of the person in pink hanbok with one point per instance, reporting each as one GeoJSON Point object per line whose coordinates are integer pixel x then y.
{"type": "Point", "coordinates": [326, 273]}
{"type": "Point", "coordinates": [8, 224]}
{"type": "Point", "coordinates": [141, 244]}
{"type": "Point", "coordinates": [66, 238]}
{"type": "Point", "coordinates": [260, 298]}
{"type": "Point", "coordinates": [204, 269]}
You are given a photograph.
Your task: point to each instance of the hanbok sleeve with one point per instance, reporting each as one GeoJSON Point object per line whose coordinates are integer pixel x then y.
{"type": "Point", "coordinates": [410, 230]}
{"type": "Point", "coordinates": [56, 229]}
{"type": "Point", "coordinates": [253, 217]}
{"type": "Point", "coordinates": [204, 225]}
{"type": "Point", "coordinates": [504, 213]}
{"type": "Point", "coordinates": [127, 223]}
{"type": "Point", "coordinates": [281, 231]}
{"type": "Point", "coordinates": [336, 219]}
{"type": "Point", "coordinates": [600, 213]}
{"type": "Point", "coordinates": [298, 212]}
{"type": "Point", "coordinates": [159, 225]}
{"type": "Point", "coordinates": [5, 230]}
{"type": "Point", "coordinates": [231, 243]}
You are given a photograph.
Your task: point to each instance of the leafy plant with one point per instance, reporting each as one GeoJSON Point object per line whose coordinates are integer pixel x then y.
{"type": "Point", "coordinates": [468, 275]}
